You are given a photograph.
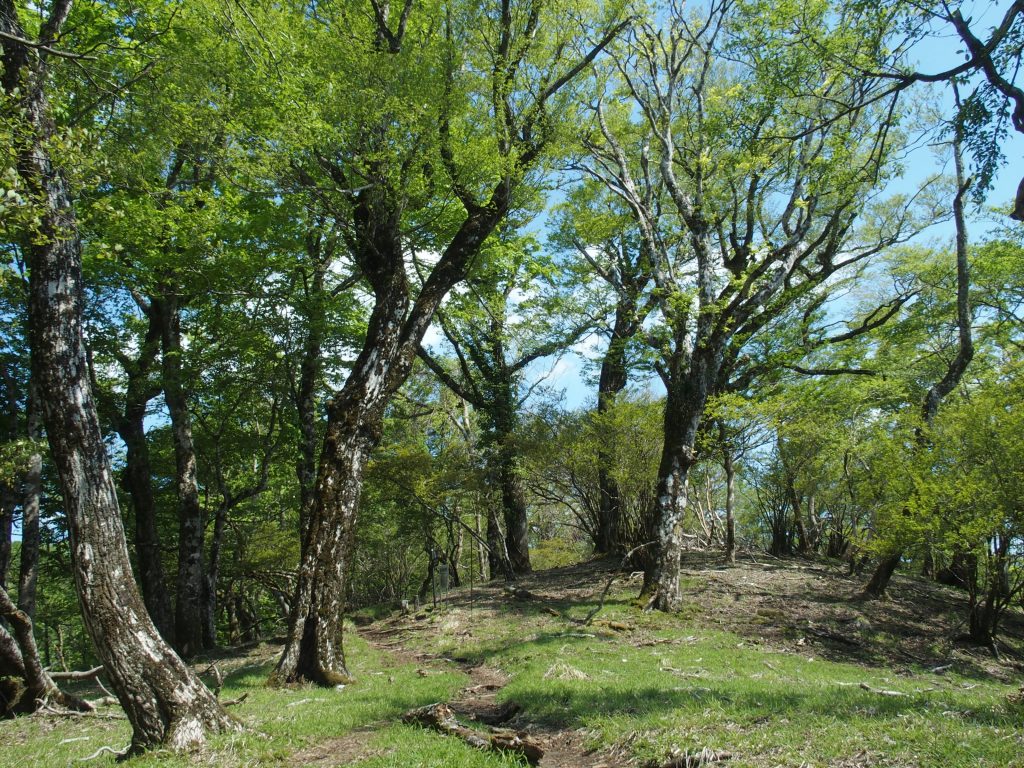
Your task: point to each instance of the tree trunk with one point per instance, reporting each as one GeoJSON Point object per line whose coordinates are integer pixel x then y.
{"type": "Point", "coordinates": [8, 501]}
{"type": "Point", "coordinates": [209, 607]}
{"type": "Point", "coordinates": [513, 502]}
{"type": "Point", "coordinates": [23, 661]}
{"type": "Point", "coordinates": [498, 565]}
{"type": "Point", "coordinates": [31, 492]}
{"type": "Point", "coordinates": [983, 618]}
{"type": "Point", "coordinates": [886, 567]}
{"type": "Point", "coordinates": [305, 404]}
{"type": "Point", "coordinates": [314, 650]}
{"type": "Point", "coordinates": [164, 700]}
{"type": "Point", "coordinates": [8, 493]}
{"type": "Point", "coordinates": [501, 412]}
{"type": "Point", "coordinates": [612, 380]}
{"type": "Point", "coordinates": [691, 386]}
{"type": "Point", "coordinates": [137, 480]}
{"type": "Point", "coordinates": [188, 610]}
{"type": "Point", "coordinates": [730, 507]}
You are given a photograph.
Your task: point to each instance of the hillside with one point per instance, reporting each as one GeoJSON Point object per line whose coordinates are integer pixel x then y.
{"type": "Point", "coordinates": [770, 664]}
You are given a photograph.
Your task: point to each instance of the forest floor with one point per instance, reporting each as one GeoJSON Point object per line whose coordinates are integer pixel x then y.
{"type": "Point", "coordinates": [770, 663]}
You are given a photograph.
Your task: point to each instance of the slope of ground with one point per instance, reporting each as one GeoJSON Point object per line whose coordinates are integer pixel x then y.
{"type": "Point", "coordinates": [769, 664]}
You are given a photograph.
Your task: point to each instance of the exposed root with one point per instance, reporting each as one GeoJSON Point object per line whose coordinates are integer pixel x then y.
{"type": "Point", "coordinates": [440, 718]}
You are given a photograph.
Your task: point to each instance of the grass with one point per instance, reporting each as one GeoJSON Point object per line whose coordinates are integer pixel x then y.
{"type": "Point", "coordinates": [279, 724]}
{"type": "Point", "coordinates": [665, 683]}
{"type": "Point", "coordinates": [672, 684]}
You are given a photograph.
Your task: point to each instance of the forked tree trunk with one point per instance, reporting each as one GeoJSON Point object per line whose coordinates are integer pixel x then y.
{"type": "Point", "coordinates": [164, 700]}
{"type": "Point", "coordinates": [314, 650]}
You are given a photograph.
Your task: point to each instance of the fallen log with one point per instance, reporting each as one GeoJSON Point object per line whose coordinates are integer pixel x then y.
{"type": "Point", "coordinates": [440, 717]}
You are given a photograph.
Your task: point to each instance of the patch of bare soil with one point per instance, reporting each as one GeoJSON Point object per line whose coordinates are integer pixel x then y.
{"type": "Point", "coordinates": [804, 605]}
{"type": "Point", "coordinates": [348, 749]}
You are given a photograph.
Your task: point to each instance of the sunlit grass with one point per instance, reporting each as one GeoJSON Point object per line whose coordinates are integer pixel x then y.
{"type": "Point", "coordinates": [637, 684]}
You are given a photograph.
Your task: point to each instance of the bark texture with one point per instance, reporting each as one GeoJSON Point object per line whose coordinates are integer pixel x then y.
{"type": "Point", "coordinates": [164, 700]}
{"type": "Point", "coordinates": [684, 407]}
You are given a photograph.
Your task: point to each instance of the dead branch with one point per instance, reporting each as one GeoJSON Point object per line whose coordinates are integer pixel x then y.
{"type": "Point", "coordinates": [520, 594]}
{"type": "Point", "coordinates": [103, 750]}
{"type": "Point", "coordinates": [236, 702]}
{"type": "Point", "coordinates": [218, 678]}
{"type": "Point", "coordinates": [440, 717]}
{"type": "Point", "coordinates": [87, 674]}
{"type": "Point", "coordinates": [881, 691]}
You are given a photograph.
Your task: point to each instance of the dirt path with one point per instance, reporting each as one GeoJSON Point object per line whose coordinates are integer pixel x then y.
{"type": "Point", "coordinates": [476, 702]}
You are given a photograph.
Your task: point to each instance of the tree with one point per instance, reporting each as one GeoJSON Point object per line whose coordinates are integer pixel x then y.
{"type": "Point", "coordinates": [958, 362]}
{"type": "Point", "coordinates": [595, 225]}
{"type": "Point", "coordinates": [567, 454]}
{"type": "Point", "coordinates": [465, 122]}
{"type": "Point", "coordinates": [165, 701]}
{"type": "Point", "coordinates": [518, 309]}
{"type": "Point", "coordinates": [754, 222]}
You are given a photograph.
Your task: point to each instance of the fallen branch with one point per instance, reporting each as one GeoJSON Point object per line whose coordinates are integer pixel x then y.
{"type": "Point", "coordinates": [881, 691]}
{"type": "Point", "coordinates": [440, 717]}
{"type": "Point", "coordinates": [520, 594]}
{"type": "Point", "coordinates": [103, 750]}
{"type": "Point", "coordinates": [103, 701]}
{"type": "Point", "coordinates": [87, 674]}
{"type": "Point", "coordinates": [46, 709]}
{"type": "Point", "coordinates": [236, 702]}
